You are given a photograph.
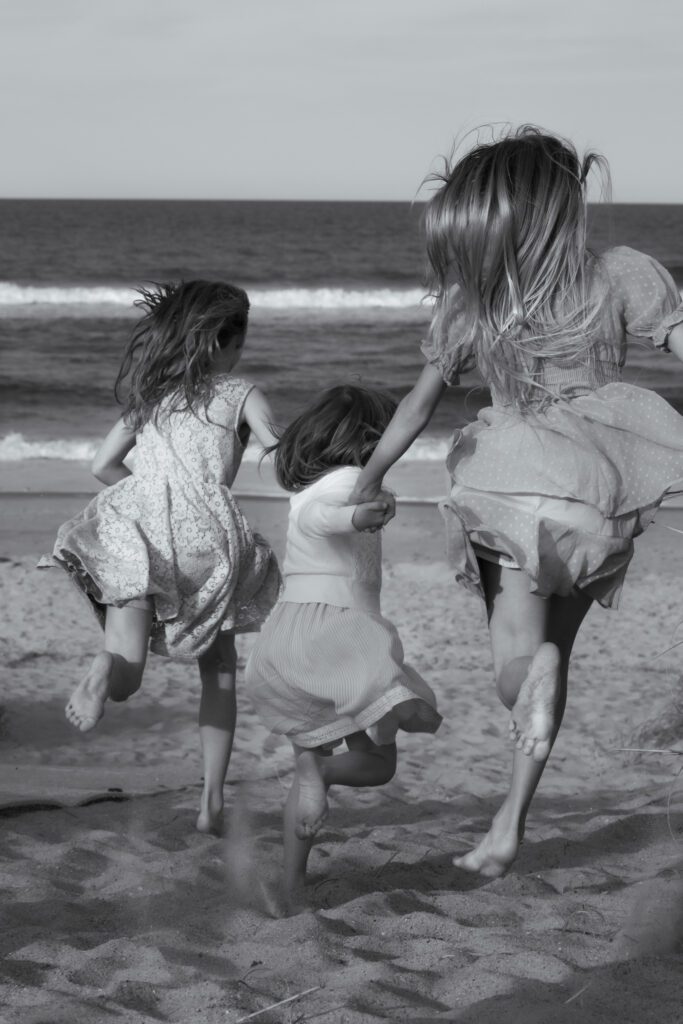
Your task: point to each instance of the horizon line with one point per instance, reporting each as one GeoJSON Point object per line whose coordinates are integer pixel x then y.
{"type": "Point", "coordinates": [213, 199]}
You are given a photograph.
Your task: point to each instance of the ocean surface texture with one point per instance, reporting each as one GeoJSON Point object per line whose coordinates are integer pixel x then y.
{"type": "Point", "coordinates": [336, 290]}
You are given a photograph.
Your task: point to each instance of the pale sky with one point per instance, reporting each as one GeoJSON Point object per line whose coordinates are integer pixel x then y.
{"type": "Point", "coordinates": [325, 99]}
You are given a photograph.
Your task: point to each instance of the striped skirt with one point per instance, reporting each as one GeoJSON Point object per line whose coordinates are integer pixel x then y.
{"type": "Point", "coordinates": [318, 673]}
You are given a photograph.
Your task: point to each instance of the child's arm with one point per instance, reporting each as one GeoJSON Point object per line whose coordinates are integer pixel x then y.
{"type": "Point", "coordinates": [412, 416]}
{"type": "Point", "coordinates": [108, 465]}
{"type": "Point", "coordinates": [330, 512]}
{"type": "Point", "coordinates": [322, 518]}
{"type": "Point", "coordinates": [258, 416]}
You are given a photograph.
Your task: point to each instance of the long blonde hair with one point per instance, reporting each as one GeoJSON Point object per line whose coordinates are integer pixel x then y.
{"type": "Point", "coordinates": [508, 227]}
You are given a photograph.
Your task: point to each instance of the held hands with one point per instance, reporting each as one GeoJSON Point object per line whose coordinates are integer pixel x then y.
{"type": "Point", "coordinates": [373, 515]}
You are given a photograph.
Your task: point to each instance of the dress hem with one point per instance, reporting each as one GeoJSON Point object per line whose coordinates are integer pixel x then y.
{"type": "Point", "coordinates": [371, 716]}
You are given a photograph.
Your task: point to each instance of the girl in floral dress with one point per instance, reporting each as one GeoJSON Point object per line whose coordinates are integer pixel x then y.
{"type": "Point", "coordinates": [164, 552]}
{"type": "Point", "coordinates": [552, 483]}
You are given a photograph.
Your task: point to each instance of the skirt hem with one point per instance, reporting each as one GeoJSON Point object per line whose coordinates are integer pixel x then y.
{"type": "Point", "coordinates": [372, 717]}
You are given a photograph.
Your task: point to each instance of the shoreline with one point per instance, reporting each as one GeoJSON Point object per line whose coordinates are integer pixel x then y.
{"type": "Point", "coordinates": [37, 497]}
{"type": "Point", "coordinates": [414, 481]}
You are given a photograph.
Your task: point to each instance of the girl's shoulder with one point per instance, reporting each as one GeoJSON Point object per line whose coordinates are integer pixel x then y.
{"type": "Point", "coordinates": [631, 270]}
{"type": "Point", "coordinates": [624, 264]}
{"type": "Point", "coordinates": [641, 291]}
{"type": "Point", "coordinates": [623, 255]}
{"type": "Point", "coordinates": [337, 484]}
{"type": "Point", "coordinates": [338, 479]}
{"type": "Point", "coordinates": [232, 387]}
{"type": "Point", "coordinates": [230, 393]}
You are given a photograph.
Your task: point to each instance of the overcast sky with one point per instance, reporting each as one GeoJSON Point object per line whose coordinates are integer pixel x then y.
{"type": "Point", "coordinates": [336, 99]}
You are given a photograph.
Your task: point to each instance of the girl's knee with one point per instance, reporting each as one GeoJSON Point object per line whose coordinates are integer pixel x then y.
{"type": "Point", "coordinates": [221, 657]}
{"type": "Point", "coordinates": [121, 689]}
{"type": "Point", "coordinates": [505, 697]}
{"type": "Point", "coordinates": [225, 645]}
{"type": "Point", "coordinates": [509, 677]}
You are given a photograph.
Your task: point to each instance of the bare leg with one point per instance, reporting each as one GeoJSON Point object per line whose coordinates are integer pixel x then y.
{"type": "Point", "coordinates": [217, 717]}
{"type": "Point", "coordinates": [533, 723]}
{"type": "Point", "coordinates": [116, 672]}
{"type": "Point", "coordinates": [297, 848]}
{"type": "Point", "coordinates": [531, 640]}
{"type": "Point", "coordinates": [363, 764]}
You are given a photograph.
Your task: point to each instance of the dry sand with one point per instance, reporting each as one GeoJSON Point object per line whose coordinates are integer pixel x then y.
{"type": "Point", "coordinates": [115, 909]}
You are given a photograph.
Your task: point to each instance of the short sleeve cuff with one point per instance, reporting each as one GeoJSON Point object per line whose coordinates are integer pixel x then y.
{"type": "Point", "coordinates": [661, 335]}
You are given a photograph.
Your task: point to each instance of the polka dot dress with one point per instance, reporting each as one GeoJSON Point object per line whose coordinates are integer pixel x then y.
{"type": "Point", "coordinates": [561, 493]}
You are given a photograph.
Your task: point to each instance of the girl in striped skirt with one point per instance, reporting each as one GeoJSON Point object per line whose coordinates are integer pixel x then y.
{"type": "Point", "coordinates": [327, 667]}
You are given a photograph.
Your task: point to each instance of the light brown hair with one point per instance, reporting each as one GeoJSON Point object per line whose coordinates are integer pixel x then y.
{"type": "Point", "coordinates": [506, 242]}
{"type": "Point", "coordinates": [169, 354]}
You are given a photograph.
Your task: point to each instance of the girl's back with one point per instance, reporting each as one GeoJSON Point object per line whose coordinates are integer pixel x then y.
{"type": "Point", "coordinates": [553, 482]}
{"type": "Point", "coordinates": [569, 463]}
{"type": "Point", "coordinates": [206, 446]}
{"type": "Point", "coordinates": [634, 298]}
{"type": "Point", "coordinates": [171, 534]}
{"type": "Point", "coordinates": [164, 553]}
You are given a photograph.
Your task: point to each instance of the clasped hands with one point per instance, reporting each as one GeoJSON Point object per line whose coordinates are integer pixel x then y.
{"type": "Point", "coordinates": [374, 509]}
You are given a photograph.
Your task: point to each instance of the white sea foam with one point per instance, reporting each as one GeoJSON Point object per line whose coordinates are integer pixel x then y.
{"type": "Point", "coordinates": [118, 299]}
{"type": "Point", "coordinates": [16, 448]}
{"type": "Point", "coordinates": [49, 295]}
{"type": "Point", "coordinates": [121, 297]}
{"type": "Point", "coordinates": [335, 298]}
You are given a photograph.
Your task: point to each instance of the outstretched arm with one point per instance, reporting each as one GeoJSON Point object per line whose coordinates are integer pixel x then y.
{"type": "Point", "coordinates": [258, 415]}
{"type": "Point", "coordinates": [108, 465]}
{"type": "Point", "coordinates": [412, 416]}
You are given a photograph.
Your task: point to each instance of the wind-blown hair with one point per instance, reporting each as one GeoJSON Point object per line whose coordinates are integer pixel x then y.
{"type": "Point", "coordinates": [508, 227]}
{"type": "Point", "coordinates": [340, 428]}
{"type": "Point", "coordinates": [169, 353]}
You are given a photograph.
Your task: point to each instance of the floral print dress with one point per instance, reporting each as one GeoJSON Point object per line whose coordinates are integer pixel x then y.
{"type": "Point", "coordinates": [173, 532]}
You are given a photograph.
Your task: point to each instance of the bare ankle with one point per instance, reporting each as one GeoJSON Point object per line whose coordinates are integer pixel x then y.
{"type": "Point", "coordinates": [210, 818]}
{"type": "Point", "coordinates": [212, 797]}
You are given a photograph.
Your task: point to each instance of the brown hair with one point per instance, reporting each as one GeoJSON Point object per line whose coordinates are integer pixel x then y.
{"type": "Point", "coordinates": [341, 428]}
{"type": "Point", "coordinates": [169, 353]}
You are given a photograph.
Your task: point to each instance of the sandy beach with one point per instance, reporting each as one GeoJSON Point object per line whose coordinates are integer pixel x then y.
{"type": "Point", "coordinates": [114, 908]}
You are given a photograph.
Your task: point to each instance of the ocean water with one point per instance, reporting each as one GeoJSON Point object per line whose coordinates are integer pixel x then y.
{"type": "Point", "coordinates": [336, 292]}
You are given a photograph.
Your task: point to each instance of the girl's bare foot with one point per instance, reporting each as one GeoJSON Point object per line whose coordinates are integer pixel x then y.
{"type": "Point", "coordinates": [86, 705]}
{"type": "Point", "coordinates": [534, 715]}
{"type": "Point", "coordinates": [210, 818]}
{"type": "Point", "coordinates": [312, 807]}
{"type": "Point", "coordinates": [495, 853]}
